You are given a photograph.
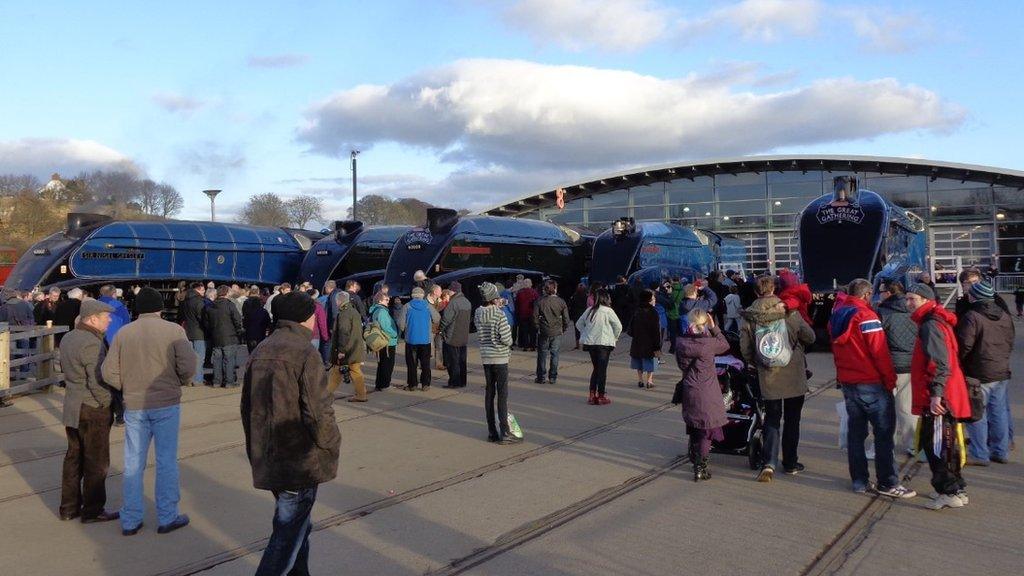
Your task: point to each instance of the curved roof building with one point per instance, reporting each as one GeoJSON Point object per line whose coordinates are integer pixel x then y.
{"type": "Point", "coordinates": [975, 212]}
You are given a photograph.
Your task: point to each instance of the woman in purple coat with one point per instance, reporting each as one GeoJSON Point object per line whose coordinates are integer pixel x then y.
{"type": "Point", "coordinates": [700, 393]}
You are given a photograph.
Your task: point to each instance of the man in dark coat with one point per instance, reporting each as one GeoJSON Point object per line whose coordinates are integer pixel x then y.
{"type": "Point", "coordinates": [45, 309]}
{"type": "Point", "coordinates": [353, 288]}
{"type": "Point", "coordinates": [291, 437]}
{"type": "Point", "coordinates": [87, 417]}
{"type": "Point", "coordinates": [985, 336]}
{"type": "Point", "coordinates": [224, 325]}
{"type": "Point", "coordinates": [900, 334]}
{"type": "Point", "coordinates": [17, 312]}
{"type": "Point", "coordinates": [348, 350]}
{"type": "Point", "coordinates": [645, 328]}
{"type": "Point", "coordinates": [551, 317]}
{"type": "Point", "coordinates": [191, 319]}
{"type": "Point", "coordinates": [454, 329]}
{"type": "Point", "coordinates": [622, 301]}
{"type": "Point", "coordinates": [66, 312]}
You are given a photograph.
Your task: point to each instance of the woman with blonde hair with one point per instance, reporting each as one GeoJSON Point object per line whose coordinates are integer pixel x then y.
{"type": "Point", "coordinates": [699, 391]}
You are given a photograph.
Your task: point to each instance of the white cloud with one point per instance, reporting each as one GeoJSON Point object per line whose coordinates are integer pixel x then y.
{"type": "Point", "coordinates": [44, 156]}
{"type": "Point", "coordinates": [277, 60]}
{"type": "Point", "coordinates": [578, 24]}
{"type": "Point", "coordinates": [763, 20]}
{"type": "Point", "coordinates": [512, 114]}
{"type": "Point", "coordinates": [178, 103]}
{"type": "Point", "coordinates": [629, 25]}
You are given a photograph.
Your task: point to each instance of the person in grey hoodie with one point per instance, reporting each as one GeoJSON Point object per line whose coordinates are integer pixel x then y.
{"type": "Point", "coordinates": [495, 338]}
{"type": "Point", "coordinates": [900, 333]}
{"type": "Point", "coordinates": [454, 330]}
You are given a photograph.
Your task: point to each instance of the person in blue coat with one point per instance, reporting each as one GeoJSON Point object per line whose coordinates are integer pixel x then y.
{"type": "Point", "coordinates": [508, 306]}
{"type": "Point", "coordinates": [380, 314]}
{"type": "Point", "coordinates": [416, 321]}
{"type": "Point", "coordinates": [118, 318]}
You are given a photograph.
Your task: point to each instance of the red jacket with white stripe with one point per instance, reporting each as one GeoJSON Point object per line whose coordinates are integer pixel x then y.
{"type": "Point", "coordinates": [859, 346]}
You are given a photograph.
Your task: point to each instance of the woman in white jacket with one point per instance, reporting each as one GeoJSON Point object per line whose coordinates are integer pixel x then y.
{"type": "Point", "coordinates": [599, 331]}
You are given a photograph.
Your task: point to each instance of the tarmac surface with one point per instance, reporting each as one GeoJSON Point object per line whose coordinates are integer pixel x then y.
{"type": "Point", "coordinates": [592, 490]}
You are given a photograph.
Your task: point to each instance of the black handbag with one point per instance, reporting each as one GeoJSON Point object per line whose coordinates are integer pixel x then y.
{"type": "Point", "coordinates": [976, 396]}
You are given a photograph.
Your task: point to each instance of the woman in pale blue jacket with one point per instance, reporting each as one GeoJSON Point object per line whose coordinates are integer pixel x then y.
{"type": "Point", "coordinates": [599, 330]}
{"type": "Point", "coordinates": [380, 314]}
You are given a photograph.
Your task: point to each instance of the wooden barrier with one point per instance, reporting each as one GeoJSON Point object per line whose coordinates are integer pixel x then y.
{"type": "Point", "coordinates": [13, 378]}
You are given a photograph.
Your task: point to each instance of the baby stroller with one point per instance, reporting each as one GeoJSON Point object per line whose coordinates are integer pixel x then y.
{"type": "Point", "coordinates": [744, 408]}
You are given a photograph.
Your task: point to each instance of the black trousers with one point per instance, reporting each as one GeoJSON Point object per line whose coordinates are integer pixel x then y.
{"type": "Point", "coordinates": [496, 377]}
{"type": "Point", "coordinates": [599, 356]}
{"type": "Point", "coordinates": [527, 333]}
{"type": "Point", "coordinates": [788, 409]}
{"type": "Point", "coordinates": [417, 355]}
{"type": "Point", "coordinates": [385, 367]}
{"type": "Point", "coordinates": [83, 479]}
{"type": "Point", "coordinates": [945, 467]}
{"type": "Point", "coordinates": [455, 362]}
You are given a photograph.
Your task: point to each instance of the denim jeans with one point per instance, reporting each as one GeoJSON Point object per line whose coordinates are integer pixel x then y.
{"type": "Point", "coordinates": [225, 364]}
{"type": "Point", "coordinates": [161, 426]}
{"type": "Point", "coordinates": [870, 404]}
{"type": "Point", "coordinates": [548, 347]}
{"type": "Point", "coordinates": [990, 436]}
{"type": "Point", "coordinates": [287, 552]}
{"type": "Point", "coordinates": [200, 348]}
{"type": "Point", "coordinates": [599, 357]}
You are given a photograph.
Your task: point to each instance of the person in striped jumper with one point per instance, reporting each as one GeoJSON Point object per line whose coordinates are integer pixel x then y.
{"type": "Point", "coordinates": [495, 339]}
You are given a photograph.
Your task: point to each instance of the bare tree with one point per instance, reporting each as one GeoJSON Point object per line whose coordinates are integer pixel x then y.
{"type": "Point", "coordinates": [303, 209]}
{"type": "Point", "coordinates": [13, 184]}
{"type": "Point", "coordinates": [265, 210]}
{"type": "Point", "coordinates": [169, 201]}
{"type": "Point", "coordinates": [149, 197]}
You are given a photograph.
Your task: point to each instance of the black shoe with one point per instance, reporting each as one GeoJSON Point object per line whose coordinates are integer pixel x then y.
{"type": "Point", "coordinates": [494, 439]}
{"type": "Point", "coordinates": [103, 516]}
{"type": "Point", "coordinates": [998, 459]}
{"type": "Point", "coordinates": [131, 531]}
{"type": "Point", "coordinates": [639, 384]}
{"type": "Point", "coordinates": [180, 522]}
{"type": "Point", "coordinates": [793, 470]}
{"type": "Point", "coordinates": [69, 516]}
{"type": "Point", "coordinates": [538, 380]}
{"type": "Point", "coordinates": [450, 386]}
{"type": "Point", "coordinates": [119, 421]}
{"type": "Point", "coordinates": [551, 382]}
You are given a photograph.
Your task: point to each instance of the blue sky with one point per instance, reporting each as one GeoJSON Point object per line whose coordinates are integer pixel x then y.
{"type": "Point", "coordinates": [468, 102]}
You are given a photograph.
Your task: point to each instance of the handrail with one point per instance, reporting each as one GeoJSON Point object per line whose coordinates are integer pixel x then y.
{"type": "Point", "coordinates": [43, 357]}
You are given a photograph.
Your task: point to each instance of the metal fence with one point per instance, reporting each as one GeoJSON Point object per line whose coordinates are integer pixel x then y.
{"type": "Point", "coordinates": [28, 358]}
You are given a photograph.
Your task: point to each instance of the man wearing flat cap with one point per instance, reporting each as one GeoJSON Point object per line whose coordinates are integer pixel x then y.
{"type": "Point", "coordinates": [291, 436]}
{"type": "Point", "coordinates": [149, 361]}
{"type": "Point", "coordinates": [87, 417]}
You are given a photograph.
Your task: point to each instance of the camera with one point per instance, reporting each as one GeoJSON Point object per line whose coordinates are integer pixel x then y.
{"type": "Point", "coordinates": [345, 373]}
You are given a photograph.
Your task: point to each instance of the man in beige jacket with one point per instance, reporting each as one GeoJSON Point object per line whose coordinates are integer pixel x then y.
{"type": "Point", "coordinates": [149, 361]}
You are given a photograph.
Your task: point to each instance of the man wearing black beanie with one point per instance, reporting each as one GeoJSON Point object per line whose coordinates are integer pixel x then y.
{"type": "Point", "coordinates": [150, 360]}
{"type": "Point", "coordinates": [291, 437]}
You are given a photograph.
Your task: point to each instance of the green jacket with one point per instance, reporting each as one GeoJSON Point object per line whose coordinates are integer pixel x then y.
{"type": "Point", "coordinates": [347, 337]}
{"type": "Point", "coordinates": [677, 297]}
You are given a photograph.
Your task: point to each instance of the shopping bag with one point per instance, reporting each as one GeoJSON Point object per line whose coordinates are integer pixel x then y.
{"type": "Point", "coordinates": [513, 426]}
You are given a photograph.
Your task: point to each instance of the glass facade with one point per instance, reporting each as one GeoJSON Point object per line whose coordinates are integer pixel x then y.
{"type": "Point", "coordinates": [982, 224]}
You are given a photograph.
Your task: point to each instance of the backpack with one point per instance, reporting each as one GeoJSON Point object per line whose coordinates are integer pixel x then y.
{"type": "Point", "coordinates": [772, 342]}
{"type": "Point", "coordinates": [375, 338]}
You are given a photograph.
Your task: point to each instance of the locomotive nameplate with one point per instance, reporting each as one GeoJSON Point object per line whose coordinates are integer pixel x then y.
{"type": "Point", "coordinates": [114, 255]}
{"type": "Point", "coordinates": [837, 213]}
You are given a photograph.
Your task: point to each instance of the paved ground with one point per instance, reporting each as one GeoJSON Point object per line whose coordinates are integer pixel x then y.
{"type": "Point", "coordinates": [594, 490]}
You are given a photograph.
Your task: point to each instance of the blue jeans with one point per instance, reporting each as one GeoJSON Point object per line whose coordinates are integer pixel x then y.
{"type": "Point", "coordinates": [225, 364]}
{"type": "Point", "coordinates": [288, 549]}
{"type": "Point", "coordinates": [161, 426]}
{"type": "Point", "coordinates": [870, 403]}
{"type": "Point", "coordinates": [548, 346]}
{"type": "Point", "coordinates": [990, 436]}
{"type": "Point", "coordinates": [200, 348]}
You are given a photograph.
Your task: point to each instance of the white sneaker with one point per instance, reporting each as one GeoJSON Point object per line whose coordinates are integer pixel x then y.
{"type": "Point", "coordinates": [945, 501]}
{"type": "Point", "coordinates": [898, 491]}
{"type": "Point", "coordinates": [962, 495]}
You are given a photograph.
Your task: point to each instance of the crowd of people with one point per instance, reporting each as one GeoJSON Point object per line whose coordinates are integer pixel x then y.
{"type": "Point", "coordinates": [912, 373]}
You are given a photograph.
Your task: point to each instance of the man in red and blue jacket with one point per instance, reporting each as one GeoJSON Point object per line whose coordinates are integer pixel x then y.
{"type": "Point", "coordinates": [867, 378]}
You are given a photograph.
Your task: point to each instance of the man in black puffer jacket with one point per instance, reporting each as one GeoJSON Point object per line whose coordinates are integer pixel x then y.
{"type": "Point", "coordinates": [900, 333]}
{"type": "Point", "coordinates": [985, 335]}
{"type": "Point", "coordinates": [224, 323]}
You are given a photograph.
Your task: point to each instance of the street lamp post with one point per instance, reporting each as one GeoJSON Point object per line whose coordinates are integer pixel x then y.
{"type": "Point", "coordinates": [353, 155]}
{"type": "Point", "coordinates": [213, 211]}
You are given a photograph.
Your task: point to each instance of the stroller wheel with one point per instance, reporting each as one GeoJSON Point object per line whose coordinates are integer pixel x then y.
{"type": "Point", "coordinates": [754, 450]}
